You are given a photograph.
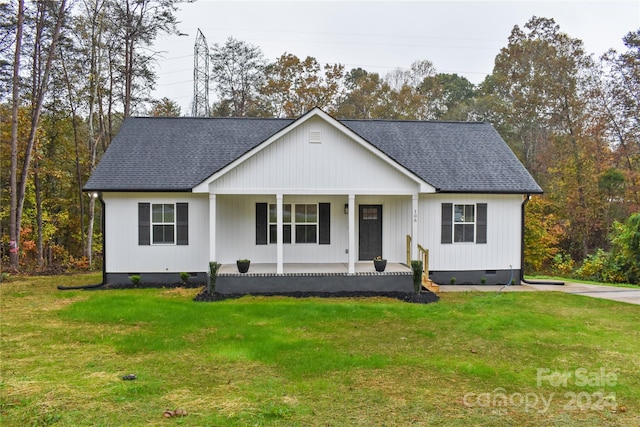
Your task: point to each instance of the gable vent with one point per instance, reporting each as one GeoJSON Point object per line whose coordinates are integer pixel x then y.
{"type": "Point", "coordinates": [315, 137]}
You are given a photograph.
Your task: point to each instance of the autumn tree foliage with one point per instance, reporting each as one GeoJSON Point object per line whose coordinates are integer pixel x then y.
{"type": "Point", "coordinates": [70, 72]}
{"type": "Point", "coordinates": [164, 107]}
{"type": "Point", "coordinates": [77, 69]}
{"type": "Point", "coordinates": [293, 86]}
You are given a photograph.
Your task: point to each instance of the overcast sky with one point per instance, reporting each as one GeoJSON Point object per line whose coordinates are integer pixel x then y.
{"type": "Point", "coordinates": [460, 37]}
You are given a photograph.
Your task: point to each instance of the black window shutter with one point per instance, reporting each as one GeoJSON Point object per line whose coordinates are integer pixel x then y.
{"type": "Point", "coordinates": [481, 223]}
{"type": "Point", "coordinates": [261, 223]}
{"type": "Point", "coordinates": [144, 223]}
{"type": "Point", "coordinates": [182, 223]}
{"type": "Point", "coordinates": [447, 223]}
{"type": "Point", "coordinates": [324, 221]}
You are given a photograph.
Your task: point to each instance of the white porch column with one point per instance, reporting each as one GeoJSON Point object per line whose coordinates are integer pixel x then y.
{"type": "Point", "coordinates": [352, 234]}
{"type": "Point", "coordinates": [280, 233]}
{"type": "Point", "coordinates": [414, 227]}
{"type": "Point", "coordinates": [212, 227]}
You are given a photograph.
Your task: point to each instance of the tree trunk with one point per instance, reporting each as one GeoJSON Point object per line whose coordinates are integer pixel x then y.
{"type": "Point", "coordinates": [76, 143]}
{"type": "Point", "coordinates": [35, 119]}
{"type": "Point", "coordinates": [94, 137]}
{"type": "Point", "coordinates": [40, 245]}
{"type": "Point", "coordinates": [14, 228]}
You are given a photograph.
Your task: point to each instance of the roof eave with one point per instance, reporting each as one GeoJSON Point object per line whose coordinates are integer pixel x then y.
{"type": "Point", "coordinates": [137, 190]}
{"type": "Point", "coordinates": [488, 191]}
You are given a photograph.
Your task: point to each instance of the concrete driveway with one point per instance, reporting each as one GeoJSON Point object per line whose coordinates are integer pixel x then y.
{"type": "Point", "coordinates": [628, 295]}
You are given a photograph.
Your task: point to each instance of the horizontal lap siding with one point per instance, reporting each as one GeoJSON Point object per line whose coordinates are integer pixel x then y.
{"type": "Point", "coordinates": [125, 255]}
{"type": "Point", "coordinates": [502, 249]}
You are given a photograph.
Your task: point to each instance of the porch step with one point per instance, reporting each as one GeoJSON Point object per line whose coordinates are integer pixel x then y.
{"type": "Point", "coordinates": [429, 285]}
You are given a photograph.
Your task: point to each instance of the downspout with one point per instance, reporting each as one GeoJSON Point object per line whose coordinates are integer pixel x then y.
{"type": "Point", "coordinates": [103, 225]}
{"type": "Point", "coordinates": [522, 279]}
{"type": "Point", "coordinates": [104, 256]}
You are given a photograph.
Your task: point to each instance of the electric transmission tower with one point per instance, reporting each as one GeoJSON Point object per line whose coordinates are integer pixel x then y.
{"type": "Point", "coordinates": [200, 77]}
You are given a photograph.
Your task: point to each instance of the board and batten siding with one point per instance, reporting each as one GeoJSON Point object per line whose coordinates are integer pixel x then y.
{"type": "Point", "coordinates": [502, 250]}
{"type": "Point", "coordinates": [125, 255]}
{"type": "Point", "coordinates": [295, 164]}
{"type": "Point", "coordinates": [396, 224]}
{"type": "Point", "coordinates": [236, 229]}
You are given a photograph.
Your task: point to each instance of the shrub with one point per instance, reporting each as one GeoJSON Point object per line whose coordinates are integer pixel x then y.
{"type": "Point", "coordinates": [594, 266]}
{"type": "Point", "coordinates": [135, 279]}
{"type": "Point", "coordinates": [184, 277]}
{"type": "Point", "coordinates": [213, 275]}
{"type": "Point", "coordinates": [416, 266]}
{"type": "Point", "coordinates": [625, 242]}
{"type": "Point", "coordinates": [563, 265]}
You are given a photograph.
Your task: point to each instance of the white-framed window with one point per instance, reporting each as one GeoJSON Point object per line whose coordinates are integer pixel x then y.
{"type": "Point", "coordinates": [163, 224]}
{"type": "Point", "coordinates": [286, 223]}
{"type": "Point", "coordinates": [464, 223]}
{"type": "Point", "coordinates": [302, 222]}
{"type": "Point", "coordinates": [306, 223]}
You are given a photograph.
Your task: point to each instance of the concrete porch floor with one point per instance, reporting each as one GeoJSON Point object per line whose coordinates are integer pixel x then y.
{"type": "Point", "coordinates": [364, 267]}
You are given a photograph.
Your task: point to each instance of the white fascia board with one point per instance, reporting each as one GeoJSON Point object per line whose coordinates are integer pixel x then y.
{"type": "Point", "coordinates": [424, 186]}
{"type": "Point", "coordinates": [319, 191]}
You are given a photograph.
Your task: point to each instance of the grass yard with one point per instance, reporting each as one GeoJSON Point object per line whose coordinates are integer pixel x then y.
{"type": "Point", "coordinates": [485, 359]}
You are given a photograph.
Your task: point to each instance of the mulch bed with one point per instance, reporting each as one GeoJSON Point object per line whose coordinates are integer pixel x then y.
{"type": "Point", "coordinates": [423, 297]}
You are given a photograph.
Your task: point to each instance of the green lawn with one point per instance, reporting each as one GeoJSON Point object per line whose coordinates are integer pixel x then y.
{"type": "Point", "coordinates": [487, 359]}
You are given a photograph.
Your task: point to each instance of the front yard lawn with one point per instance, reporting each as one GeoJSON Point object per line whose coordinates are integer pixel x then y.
{"type": "Point", "coordinates": [487, 359]}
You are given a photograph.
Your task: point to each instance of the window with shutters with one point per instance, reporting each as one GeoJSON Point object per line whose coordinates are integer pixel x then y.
{"type": "Point", "coordinates": [464, 223]}
{"type": "Point", "coordinates": [163, 224]}
{"type": "Point", "coordinates": [301, 223]}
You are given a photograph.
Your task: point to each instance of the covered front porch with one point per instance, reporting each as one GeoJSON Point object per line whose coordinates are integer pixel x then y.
{"type": "Point", "coordinates": [363, 267]}
{"type": "Point", "coordinates": [314, 277]}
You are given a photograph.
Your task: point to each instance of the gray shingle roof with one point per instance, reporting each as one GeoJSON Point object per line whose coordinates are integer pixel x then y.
{"type": "Point", "coordinates": [176, 154]}
{"type": "Point", "coordinates": [466, 157]}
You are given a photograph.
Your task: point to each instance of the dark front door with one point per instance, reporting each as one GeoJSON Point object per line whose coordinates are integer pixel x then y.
{"type": "Point", "coordinates": [370, 236]}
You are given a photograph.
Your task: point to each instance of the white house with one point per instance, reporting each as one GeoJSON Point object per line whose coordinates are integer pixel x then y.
{"type": "Point", "coordinates": [313, 191]}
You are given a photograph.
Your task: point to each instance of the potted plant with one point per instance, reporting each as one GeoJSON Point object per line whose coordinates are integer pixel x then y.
{"type": "Point", "coordinates": [243, 265]}
{"type": "Point", "coordinates": [379, 263]}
